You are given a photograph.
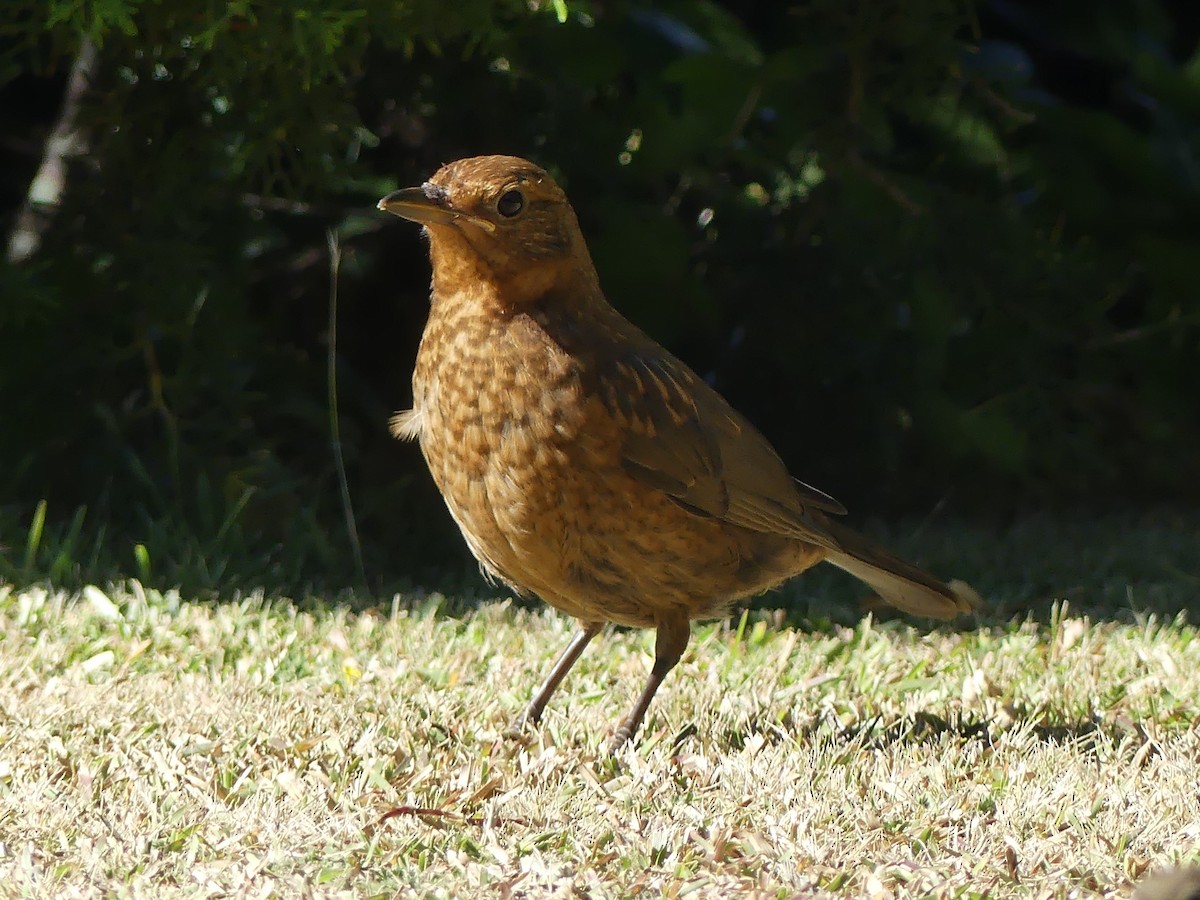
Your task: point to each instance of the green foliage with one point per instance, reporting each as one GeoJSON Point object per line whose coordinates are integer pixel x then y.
{"type": "Point", "coordinates": [934, 249]}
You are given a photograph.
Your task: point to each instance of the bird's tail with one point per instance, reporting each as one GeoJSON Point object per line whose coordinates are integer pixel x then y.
{"type": "Point", "coordinates": [901, 584]}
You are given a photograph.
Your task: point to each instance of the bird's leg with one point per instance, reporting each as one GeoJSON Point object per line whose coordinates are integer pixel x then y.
{"type": "Point", "coordinates": [533, 712]}
{"type": "Point", "coordinates": [672, 640]}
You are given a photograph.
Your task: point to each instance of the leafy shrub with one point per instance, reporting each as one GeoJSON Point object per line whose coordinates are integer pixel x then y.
{"type": "Point", "coordinates": [935, 249]}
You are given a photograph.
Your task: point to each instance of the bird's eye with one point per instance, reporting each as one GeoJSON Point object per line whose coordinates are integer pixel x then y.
{"type": "Point", "coordinates": [510, 203]}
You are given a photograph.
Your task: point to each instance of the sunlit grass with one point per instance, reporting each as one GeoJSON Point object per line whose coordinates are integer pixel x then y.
{"type": "Point", "coordinates": [160, 747]}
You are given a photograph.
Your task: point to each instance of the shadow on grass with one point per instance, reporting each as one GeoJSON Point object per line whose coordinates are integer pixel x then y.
{"type": "Point", "coordinates": [878, 732]}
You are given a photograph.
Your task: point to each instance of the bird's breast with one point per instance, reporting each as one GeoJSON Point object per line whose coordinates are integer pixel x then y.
{"type": "Point", "coordinates": [512, 440]}
{"type": "Point", "coordinates": [496, 392]}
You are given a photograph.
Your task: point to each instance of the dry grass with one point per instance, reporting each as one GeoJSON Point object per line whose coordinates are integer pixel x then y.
{"type": "Point", "coordinates": [155, 747]}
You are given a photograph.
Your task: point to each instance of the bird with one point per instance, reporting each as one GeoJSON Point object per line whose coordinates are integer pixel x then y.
{"type": "Point", "coordinates": [583, 462]}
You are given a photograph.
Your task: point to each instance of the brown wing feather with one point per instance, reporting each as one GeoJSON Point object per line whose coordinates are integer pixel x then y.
{"type": "Point", "coordinates": [686, 440]}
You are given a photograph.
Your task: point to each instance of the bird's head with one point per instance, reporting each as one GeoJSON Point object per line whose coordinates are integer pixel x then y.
{"type": "Point", "coordinates": [499, 220]}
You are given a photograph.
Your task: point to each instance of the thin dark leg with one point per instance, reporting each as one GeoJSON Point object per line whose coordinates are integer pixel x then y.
{"type": "Point", "coordinates": [533, 712]}
{"type": "Point", "coordinates": [672, 640]}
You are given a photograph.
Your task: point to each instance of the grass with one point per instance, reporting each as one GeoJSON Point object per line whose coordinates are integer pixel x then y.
{"type": "Point", "coordinates": [156, 746]}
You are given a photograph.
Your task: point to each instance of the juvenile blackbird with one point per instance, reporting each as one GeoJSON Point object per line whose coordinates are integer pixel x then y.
{"type": "Point", "coordinates": [582, 461]}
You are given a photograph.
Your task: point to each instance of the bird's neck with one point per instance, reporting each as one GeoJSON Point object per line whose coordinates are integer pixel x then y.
{"type": "Point", "coordinates": [459, 276]}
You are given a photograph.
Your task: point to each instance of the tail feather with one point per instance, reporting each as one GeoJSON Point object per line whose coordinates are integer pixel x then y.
{"type": "Point", "coordinates": [901, 584]}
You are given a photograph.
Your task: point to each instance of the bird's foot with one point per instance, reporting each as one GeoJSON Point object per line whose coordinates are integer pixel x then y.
{"type": "Point", "coordinates": [620, 738]}
{"type": "Point", "coordinates": [522, 726]}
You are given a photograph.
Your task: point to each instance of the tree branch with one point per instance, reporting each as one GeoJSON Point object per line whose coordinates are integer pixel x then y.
{"type": "Point", "coordinates": [46, 188]}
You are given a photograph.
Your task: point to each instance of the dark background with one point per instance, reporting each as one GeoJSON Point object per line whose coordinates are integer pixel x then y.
{"type": "Point", "coordinates": [950, 262]}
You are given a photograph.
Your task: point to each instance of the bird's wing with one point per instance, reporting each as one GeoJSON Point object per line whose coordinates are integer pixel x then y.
{"type": "Point", "coordinates": [684, 439]}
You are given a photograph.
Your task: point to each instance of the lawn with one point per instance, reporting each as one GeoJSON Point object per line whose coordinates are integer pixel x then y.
{"type": "Point", "coordinates": [153, 745]}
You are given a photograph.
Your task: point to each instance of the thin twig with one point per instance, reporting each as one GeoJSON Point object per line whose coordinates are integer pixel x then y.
{"type": "Point", "coordinates": [426, 812]}
{"type": "Point", "coordinates": [335, 260]}
{"type": "Point", "coordinates": [881, 180]}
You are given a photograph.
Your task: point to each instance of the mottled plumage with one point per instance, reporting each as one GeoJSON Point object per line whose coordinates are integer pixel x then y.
{"type": "Point", "coordinates": [582, 461]}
